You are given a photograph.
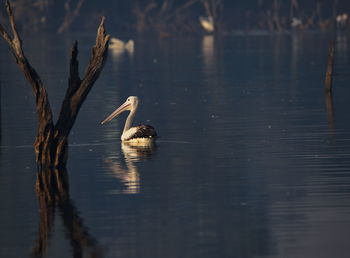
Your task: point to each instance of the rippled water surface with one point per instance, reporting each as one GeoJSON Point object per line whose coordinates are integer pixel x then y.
{"type": "Point", "coordinates": [253, 159]}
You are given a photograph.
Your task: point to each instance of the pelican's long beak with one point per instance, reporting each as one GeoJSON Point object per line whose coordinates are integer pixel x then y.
{"type": "Point", "coordinates": [116, 112]}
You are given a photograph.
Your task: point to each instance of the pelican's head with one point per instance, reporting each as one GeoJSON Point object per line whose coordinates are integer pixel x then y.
{"type": "Point", "coordinates": [131, 103]}
{"type": "Point", "coordinates": [134, 102]}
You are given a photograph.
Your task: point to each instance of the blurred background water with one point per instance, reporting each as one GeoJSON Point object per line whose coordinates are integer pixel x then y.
{"type": "Point", "coordinates": [249, 162]}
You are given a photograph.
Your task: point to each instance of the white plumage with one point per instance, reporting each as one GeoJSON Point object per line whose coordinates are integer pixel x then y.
{"type": "Point", "coordinates": [207, 23]}
{"type": "Point", "coordinates": [139, 134]}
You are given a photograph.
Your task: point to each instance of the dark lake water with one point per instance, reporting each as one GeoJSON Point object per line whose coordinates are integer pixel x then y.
{"type": "Point", "coordinates": [249, 163]}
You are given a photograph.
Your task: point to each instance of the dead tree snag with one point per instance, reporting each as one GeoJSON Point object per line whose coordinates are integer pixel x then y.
{"type": "Point", "coordinates": [329, 70]}
{"type": "Point", "coordinates": [52, 139]}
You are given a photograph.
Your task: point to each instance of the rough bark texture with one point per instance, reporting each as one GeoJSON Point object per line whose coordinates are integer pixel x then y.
{"type": "Point", "coordinates": [45, 124]}
{"type": "Point", "coordinates": [51, 144]}
{"type": "Point", "coordinates": [78, 89]}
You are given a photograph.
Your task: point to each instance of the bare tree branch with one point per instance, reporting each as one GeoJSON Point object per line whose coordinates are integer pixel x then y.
{"type": "Point", "coordinates": [78, 89]}
{"type": "Point", "coordinates": [51, 143]}
{"type": "Point", "coordinates": [141, 15]}
{"type": "Point", "coordinates": [70, 15]}
{"type": "Point", "coordinates": [45, 125]}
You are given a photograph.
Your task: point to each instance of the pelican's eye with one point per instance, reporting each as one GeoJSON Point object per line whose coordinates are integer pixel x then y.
{"type": "Point", "coordinates": [128, 99]}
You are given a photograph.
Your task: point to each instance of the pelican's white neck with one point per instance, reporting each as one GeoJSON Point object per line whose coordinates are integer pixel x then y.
{"type": "Point", "coordinates": [129, 120]}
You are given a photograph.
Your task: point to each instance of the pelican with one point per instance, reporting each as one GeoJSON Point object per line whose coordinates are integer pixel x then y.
{"type": "Point", "coordinates": [142, 134]}
{"type": "Point", "coordinates": [118, 46]}
{"type": "Point", "coordinates": [207, 23]}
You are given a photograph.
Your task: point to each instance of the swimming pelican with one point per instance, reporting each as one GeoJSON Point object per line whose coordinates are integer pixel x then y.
{"type": "Point", "coordinates": [118, 46]}
{"type": "Point", "coordinates": [141, 134]}
{"type": "Point", "coordinates": [207, 23]}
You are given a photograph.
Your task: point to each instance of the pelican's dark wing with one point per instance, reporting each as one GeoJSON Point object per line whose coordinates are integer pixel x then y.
{"type": "Point", "coordinates": [144, 131]}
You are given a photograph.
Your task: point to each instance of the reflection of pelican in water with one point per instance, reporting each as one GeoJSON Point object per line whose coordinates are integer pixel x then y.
{"type": "Point", "coordinates": [134, 153]}
{"type": "Point", "coordinates": [138, 135]}
{"type": "Point", "coordinates": [208, 52]}
{"type": "Point", "coordinates": [129, 176]}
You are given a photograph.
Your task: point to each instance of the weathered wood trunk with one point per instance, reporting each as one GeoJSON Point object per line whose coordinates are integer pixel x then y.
{"type": "Point", "coordinates": [51, 144]}
{"type": "Point", "coordinates": [329, 70]}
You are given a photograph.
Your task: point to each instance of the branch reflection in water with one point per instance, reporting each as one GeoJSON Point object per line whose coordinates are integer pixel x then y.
{"type": "Point", "coordinates": [53, 194]}
{"type": "Point", "coordinates": [330, 111]}
{"type": "Point", "coordinates": [128, 174]}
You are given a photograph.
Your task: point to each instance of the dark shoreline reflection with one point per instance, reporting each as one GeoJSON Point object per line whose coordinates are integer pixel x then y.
{"type": "Point", "coordinates": [52, 190]}
{"type": "Point", "coordinates": [129, 174]}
